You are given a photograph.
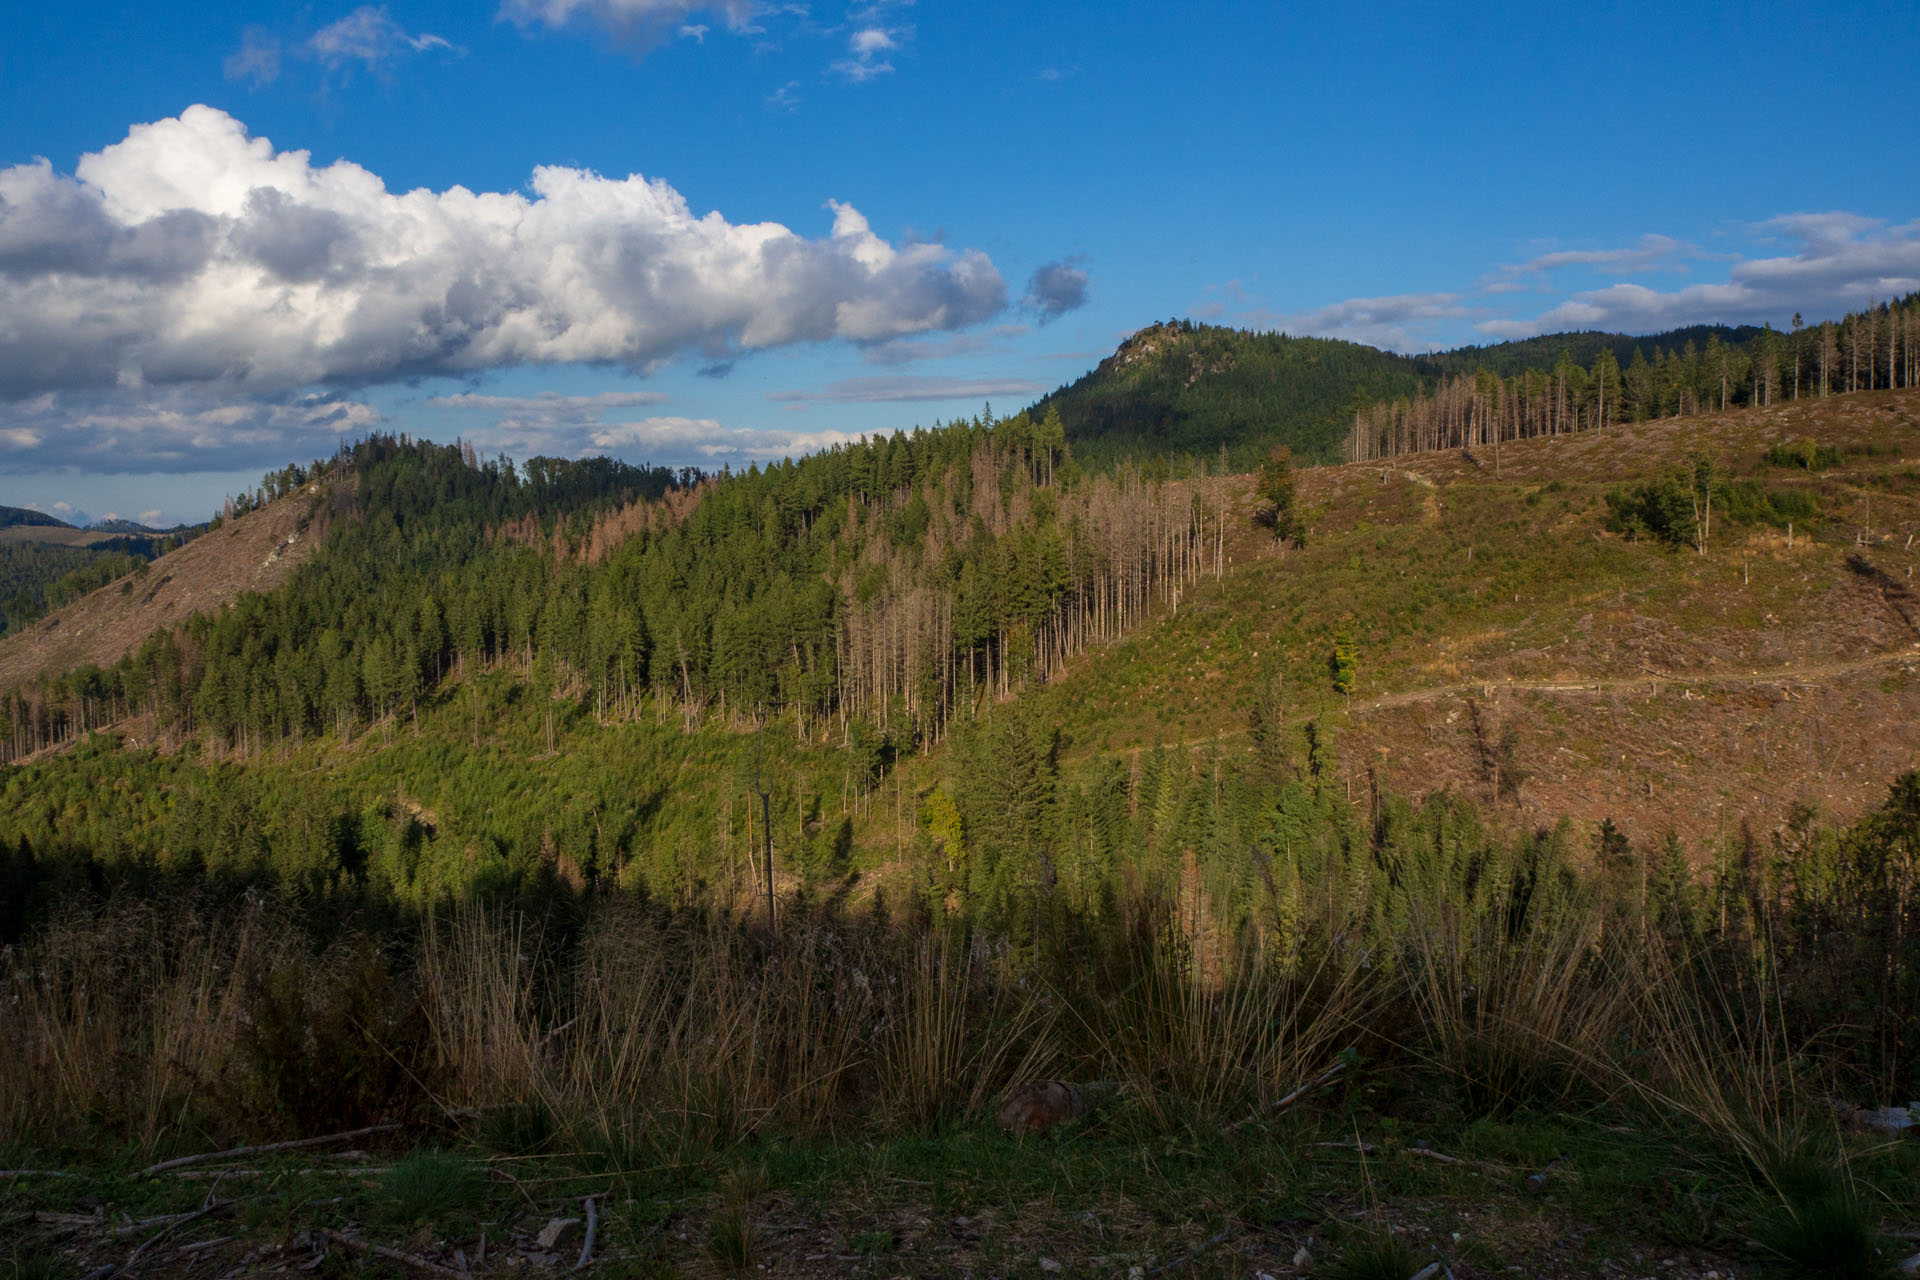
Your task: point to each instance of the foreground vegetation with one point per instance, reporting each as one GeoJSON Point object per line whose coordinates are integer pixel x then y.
{"type": "Point", "coordinates": [1659, 1059]}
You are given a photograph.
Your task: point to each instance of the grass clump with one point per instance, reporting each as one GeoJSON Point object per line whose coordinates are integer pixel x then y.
{"type": "Point", "coordinates": [1374, 1255]}
{"type": "Point", "coordinates": [1819, 1225]}
{"type": "Point", "coordinates": [429, 1186]}
{"type": "Point", "coordinates": [731, 1243]}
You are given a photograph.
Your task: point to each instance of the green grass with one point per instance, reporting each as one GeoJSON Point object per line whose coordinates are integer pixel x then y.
{"type": "Point", "coordinates": [431, 1186]}
{"type": "Point", "coordinates": [730, 1238]}
{"type": "Point", "coordinates": [1829, 1235]}
{"type": "Point", "coordinates": [1125, 1189]}
{"type": "Point", "coordinates": [1373, 1255]}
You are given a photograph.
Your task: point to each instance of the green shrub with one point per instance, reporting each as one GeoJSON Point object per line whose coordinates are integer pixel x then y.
{"type": "Point", "coordinates": [1805, 454]}
{"type": "Point", "coordinates": [1749, 502]}
{"type": "Point", "coordinates": [1662, 510]}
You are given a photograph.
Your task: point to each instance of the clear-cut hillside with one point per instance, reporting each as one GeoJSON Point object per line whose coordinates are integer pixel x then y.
{"type": "Point", "coordinates": [253, 552]}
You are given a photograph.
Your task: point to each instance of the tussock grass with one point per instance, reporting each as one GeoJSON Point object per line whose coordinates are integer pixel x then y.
{"type": "Point", "coordinates": [1188, 1037]}
{"type": "Point", "coordinates": [1522, 1018]}
{"type": "Point", "coordinates": [1374, 1254]}
{"type": "Point", "coordinates": [428, 1186]}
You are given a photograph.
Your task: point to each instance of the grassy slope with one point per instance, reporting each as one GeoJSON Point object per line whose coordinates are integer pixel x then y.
{"type": "Point", "coordinates": [1789, 678]}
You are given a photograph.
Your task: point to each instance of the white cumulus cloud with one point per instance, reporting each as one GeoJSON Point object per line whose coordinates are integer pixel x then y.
{"type": "Point", "coordinates": [194, 256]}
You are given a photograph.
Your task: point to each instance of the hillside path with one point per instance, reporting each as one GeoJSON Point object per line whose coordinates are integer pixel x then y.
{"type": "Point", "coordinates": [1795, 674]}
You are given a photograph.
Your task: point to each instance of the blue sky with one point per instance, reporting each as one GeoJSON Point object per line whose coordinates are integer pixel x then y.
{"type": "Point", "coordinates": [857, 216]}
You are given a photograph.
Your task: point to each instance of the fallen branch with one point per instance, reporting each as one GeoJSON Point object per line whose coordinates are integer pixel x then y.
{"type": "Point", "coordinates": [1428, 1153]}
{"type": "Point", "coordinates": [358, 1171]}
{"type": "Point", "coordinates": [593, 1226]}
{"type": "Point", "coordinates": [391, 1255]}
{"type": "Point", "coordinates": [36, 1173]}
{"type": "Point", "coordinates": [198, 1245]}
{"type": "Point", "coordinates": [147, 1224]}
{"type": "Point", "coordinates": [296, 1144]}
{"type": "Point", "coordinates": [179, 1221]}
{"type": "Point", "coordinates": [1325, 1077]}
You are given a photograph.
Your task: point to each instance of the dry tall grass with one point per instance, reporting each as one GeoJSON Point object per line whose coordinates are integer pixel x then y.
{"type": "Point", "coordinates": [125, 1020]}
{"type": "Point", "coordinates": [1527, 1015]}
{"type": "Point", "coordinates": [659, 1034]}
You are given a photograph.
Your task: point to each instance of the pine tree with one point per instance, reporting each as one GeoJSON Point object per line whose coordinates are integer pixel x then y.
{"type": "Point", "coordinates": [1279, 509]}
{"type": "Point", "coordinates": [1343, 662]}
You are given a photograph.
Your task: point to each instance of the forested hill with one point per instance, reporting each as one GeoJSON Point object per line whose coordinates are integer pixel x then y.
{"type": "Point", "coordinates": [1190, 390]}
{"type": "Point", "coordinates": [334, 565]}
{"type": "Point", "coordinates": [880, 585]}
{"type": "Point", "coordinates": [1185, 391]}
{"type": "Point", "coordinates": [11, 516]}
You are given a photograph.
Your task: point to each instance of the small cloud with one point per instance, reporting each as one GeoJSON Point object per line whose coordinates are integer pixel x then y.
{"type": "Point", "coordinates": [1057, 288]}
{"type": "Point", "coordinates": [640, 25]}
{"type": "Point", "coordinates": [1380, 322]}
{"type": "Point", "coordinates": [151, 517]}
{"type": "Point", "coordinates": [717, 371]}
{"type": "Point", "coordinates": [868, 49]}
{"type": "Point", "coordinates": [369, 36]}
{"type": "Point", "coordinates": [903, 388]}
{"type": "Point", "coordinates": [257, 59]}
{"type": "Point", "coordinates": [550, 402]}
{"type": "Point", "coordinates": [784, 98]}
{"type": "Point", "coordinates": [908, 350]}
{"type": "Point", "coordinates": [1652, 253]}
